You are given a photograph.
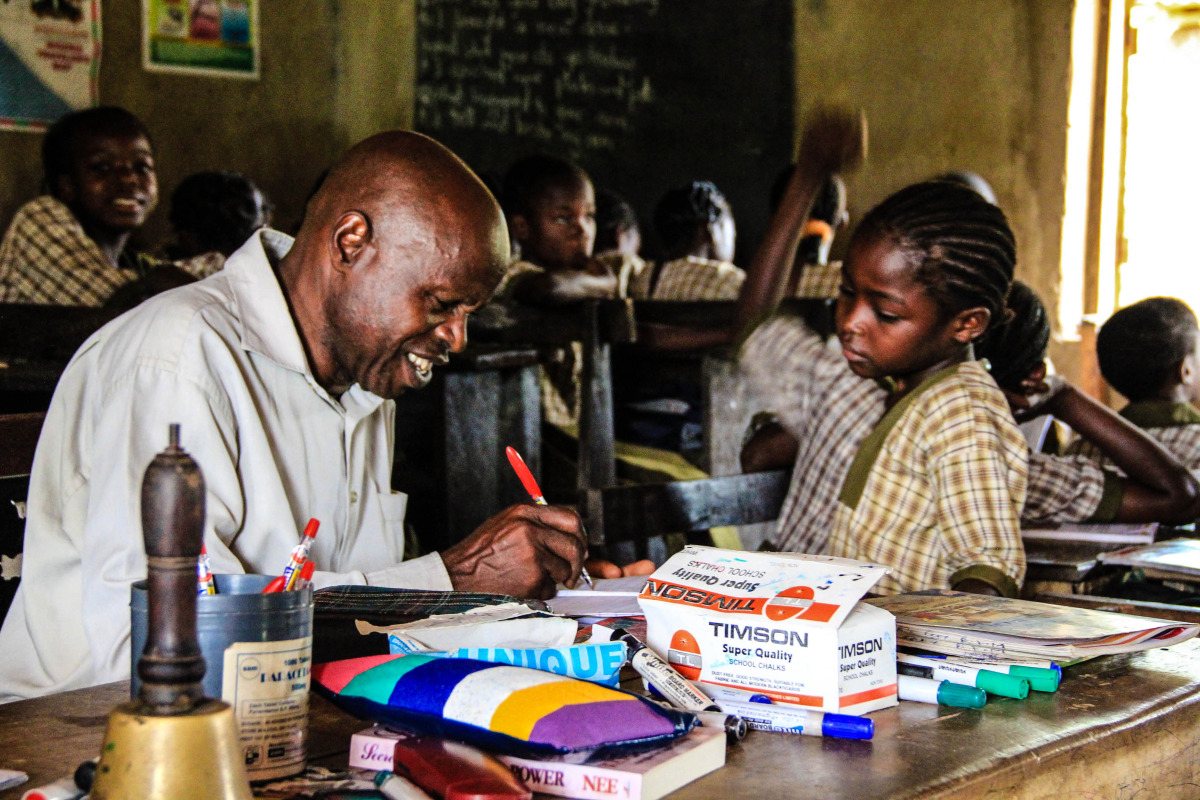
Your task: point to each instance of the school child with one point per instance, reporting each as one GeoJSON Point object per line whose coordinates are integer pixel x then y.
{"type": "Point", "coordinates": [617, 228]}
{"type": "Point", "coordinates": [1150, 353]}
{"type": "Point", "coordinates": [213, 214]}
{"type": "Point", "coordinates": [907, 454]}
{"type": "Point", "coordinates": [695, 225]}
{"type": "Point", "coordinates": [1155, 486]}
{"type": "Point", "coordinates": [71, 245]}
{"type": "Point", "coordinates": [551, 208]}
{"type": "Point", "coordinates": [819, 278]}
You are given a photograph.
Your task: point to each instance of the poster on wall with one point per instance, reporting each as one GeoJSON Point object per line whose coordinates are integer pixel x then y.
{"type": "Point", "coordinates": [49, 60]}
{"type": "Point", "coordinates": [218, 38]}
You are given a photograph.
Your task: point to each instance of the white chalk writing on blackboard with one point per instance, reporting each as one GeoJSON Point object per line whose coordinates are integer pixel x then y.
{"type": "Point", "coordinates": [552, 71]}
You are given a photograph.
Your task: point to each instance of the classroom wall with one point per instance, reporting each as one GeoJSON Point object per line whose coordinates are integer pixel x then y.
{"type": "Point", "coordinates": [979, 86]}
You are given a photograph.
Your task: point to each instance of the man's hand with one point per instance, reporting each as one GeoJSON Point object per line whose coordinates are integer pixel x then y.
{"type": "Point", "coordinates": [524, 551]}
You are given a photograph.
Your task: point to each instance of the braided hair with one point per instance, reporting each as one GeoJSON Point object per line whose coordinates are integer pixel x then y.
{"type": "Point", "coordinates": [960, 246]}
{"type": "Point", "coordinates": [1016, 347]}
{"type": "Point", "coordinates": [686, 209]}
{"type": "Point", "coordinates": [1141, 346]}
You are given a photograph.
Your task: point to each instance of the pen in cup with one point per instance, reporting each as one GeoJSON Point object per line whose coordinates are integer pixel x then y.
{"type": "Point", "coordinates": [300, 554]}
{"type": "Point", "coordinates": [535, 493]}
{"type": "Point", "coordinates": [204, 576]}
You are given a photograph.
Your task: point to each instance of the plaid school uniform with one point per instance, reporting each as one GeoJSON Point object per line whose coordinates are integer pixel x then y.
{"type": "Point", "coordinates": [941, 490]}
{"type": "Point", "coordinates": [829, 410]}
{"type": "Point", "coordinates": [819, 281]}
{"type": "Point", "coordinates": [694, 278]}
{"type": "Point", "coordinates": [1070, 489]}
{"type": "Point", "coordinates": [48, 259]}
{"type": "Point", "coordinates": [1176, 426]}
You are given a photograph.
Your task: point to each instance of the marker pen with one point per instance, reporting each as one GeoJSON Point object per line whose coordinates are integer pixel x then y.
{"type": "Point", "coordinates": [946, 693]}
{"type": "Point", "coordinates": [204, 576]}
{"type": "Point", "coordinates": [941, 670]}
{"type": "Point", "coordinates": [789, 719]}
{"type": "Point", "coordinates": [1041, 679]}
{"type": "Point", "coordinates": [299, 554]}
{"type": "Point", "coordinates": [669, 683]}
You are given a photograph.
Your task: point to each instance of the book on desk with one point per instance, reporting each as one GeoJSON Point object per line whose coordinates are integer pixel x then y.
{"type": "Point", "coordinates": [645, 774]}
{"type": "Point", "coordinates": [950, 622]}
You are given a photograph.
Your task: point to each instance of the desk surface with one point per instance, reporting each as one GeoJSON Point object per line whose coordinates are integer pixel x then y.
{"type": "Point", "coordinates": [1120, 726]}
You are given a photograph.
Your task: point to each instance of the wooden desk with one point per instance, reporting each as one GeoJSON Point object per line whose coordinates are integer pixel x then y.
{"type": "Point", "coordinates": [1120, 727]}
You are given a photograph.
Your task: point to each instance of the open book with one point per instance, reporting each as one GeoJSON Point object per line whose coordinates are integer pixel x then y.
{"type": "Point", "coordinates": [959, 623]}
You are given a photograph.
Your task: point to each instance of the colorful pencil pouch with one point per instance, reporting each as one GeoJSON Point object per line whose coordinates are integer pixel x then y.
{"type": "Point", "coordinates": [505, 709]}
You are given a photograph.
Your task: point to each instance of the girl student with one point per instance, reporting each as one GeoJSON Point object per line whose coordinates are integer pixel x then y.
{"type": "Point", "coordinates": [905, 452]}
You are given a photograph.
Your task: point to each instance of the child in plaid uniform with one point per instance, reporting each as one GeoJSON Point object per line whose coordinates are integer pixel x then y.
{"type": "Point", "coordinates": [906, 453]}
{"type": "Point", "coordinates": [1075, 488]}
{"type": "Point", "coordinates": [1149, 353]}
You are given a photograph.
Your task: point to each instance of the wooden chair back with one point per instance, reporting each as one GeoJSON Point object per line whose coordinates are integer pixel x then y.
{"type": "Point", "coordinates": [18, 440]}
{"type": "Point", "coordinates": [632, 513]}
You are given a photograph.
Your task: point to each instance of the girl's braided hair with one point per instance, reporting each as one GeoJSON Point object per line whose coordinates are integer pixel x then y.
{"type": "Point", "coordinates": [684, 210]}
{"type": "Point", "coordinates": [960, 245]}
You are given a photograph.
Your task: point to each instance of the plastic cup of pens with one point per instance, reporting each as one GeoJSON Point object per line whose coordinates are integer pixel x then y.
{"type": "Point", "coordinates": [258, 649]}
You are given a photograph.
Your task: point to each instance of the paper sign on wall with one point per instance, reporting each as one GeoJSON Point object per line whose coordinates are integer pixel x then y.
{"type": "Point", "coordinates": [49, 60]}
{"type": "Point", "coordinates": [218, 38]}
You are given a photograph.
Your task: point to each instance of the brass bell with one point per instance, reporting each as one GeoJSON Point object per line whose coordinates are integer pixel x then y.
{"type": "Point", "coordinates": [172, 743]}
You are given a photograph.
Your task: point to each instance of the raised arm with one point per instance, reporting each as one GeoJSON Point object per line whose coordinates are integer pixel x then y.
{"type": "Point", "coordinates": [833, 141]}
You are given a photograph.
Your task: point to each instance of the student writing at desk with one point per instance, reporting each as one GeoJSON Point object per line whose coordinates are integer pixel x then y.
{"type": "Point", "coordinates": [280, 369]}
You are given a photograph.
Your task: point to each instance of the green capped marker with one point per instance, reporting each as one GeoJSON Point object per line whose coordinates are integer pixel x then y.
{"type": "Point", "coordinates": [1040, 679]}
{"type": "Point", "coordinates": [946, 693]}
{"type": "Point", "coordinates": [941, 670]}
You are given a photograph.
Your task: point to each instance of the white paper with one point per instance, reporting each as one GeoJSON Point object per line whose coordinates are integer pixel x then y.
{"type": "Point", "coordinates": [596, 604]}
{"type": "Point", "coordinates": [508, 625]}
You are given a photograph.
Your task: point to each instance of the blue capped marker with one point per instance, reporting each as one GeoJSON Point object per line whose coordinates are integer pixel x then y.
{"type": "Point", "coordinates": [789, 719]}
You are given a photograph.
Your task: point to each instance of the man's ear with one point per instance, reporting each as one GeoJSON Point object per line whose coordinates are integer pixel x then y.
{"type": "Point", "coordinates": [969, 325]}
{"type": "Point", "coordinates": [351, 235]}
{"type": "Point", "coordinates": [1187, 370]}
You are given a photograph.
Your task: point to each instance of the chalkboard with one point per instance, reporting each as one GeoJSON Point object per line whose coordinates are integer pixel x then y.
{"type": "Point", "coordinates": [643, 94]}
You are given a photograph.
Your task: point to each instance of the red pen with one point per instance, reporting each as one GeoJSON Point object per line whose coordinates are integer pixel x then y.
{"type": "Point", "coordinates": [535, 492]}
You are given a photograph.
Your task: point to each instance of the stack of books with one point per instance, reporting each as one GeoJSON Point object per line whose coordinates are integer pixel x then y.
{"type": "Point", "coordinates": [955, 623]}
{"type": "Point", "coordinates": [646, 774]}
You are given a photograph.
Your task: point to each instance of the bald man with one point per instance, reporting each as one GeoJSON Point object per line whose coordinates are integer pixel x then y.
{"type": "Point", "coordinates": [280, 370]}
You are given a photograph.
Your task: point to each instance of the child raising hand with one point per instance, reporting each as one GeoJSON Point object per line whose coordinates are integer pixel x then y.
{"type": "Point", "coordinates": [905, 450]}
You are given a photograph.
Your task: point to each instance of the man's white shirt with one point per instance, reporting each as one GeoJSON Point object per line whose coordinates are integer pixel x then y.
{"type": "Point", "coordinates": [222, 357]}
